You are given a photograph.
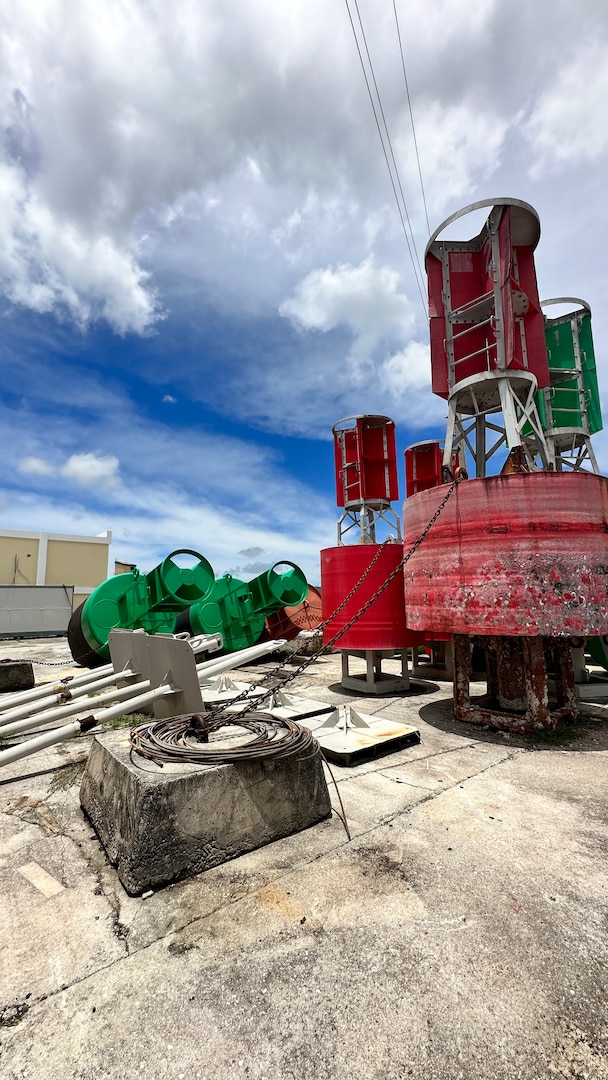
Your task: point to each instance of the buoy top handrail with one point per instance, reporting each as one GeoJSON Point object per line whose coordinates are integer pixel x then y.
{"type": "Point", "coordinates": [500, 201]}
{"type": "Point", "coordinates": [361, 416]}
{"type": "Point", "coordinates": [582, 304]}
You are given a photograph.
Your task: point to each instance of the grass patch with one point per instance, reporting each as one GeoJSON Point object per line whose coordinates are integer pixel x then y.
{"type": "Point", "coordinates": [127, 720]}
{"type": "Point", "coordinates": [67, 775]}
{"type": "Point", "coordinates": [562, 736]}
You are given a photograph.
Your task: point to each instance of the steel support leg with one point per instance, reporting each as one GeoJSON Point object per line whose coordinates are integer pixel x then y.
{"type": "Point", "coordinates": [517, 698]}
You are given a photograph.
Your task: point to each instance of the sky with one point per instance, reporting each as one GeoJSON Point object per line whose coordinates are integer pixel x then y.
{"type": "Point", "coordinates": [202, 261]}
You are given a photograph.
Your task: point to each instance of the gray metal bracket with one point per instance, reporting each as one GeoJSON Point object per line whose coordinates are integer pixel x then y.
{"type": "Point", "coordinates": [161, 658]}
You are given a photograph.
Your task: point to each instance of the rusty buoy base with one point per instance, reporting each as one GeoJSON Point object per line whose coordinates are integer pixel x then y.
{"type": "Point", "coordinates": [517, 564]}
{"type": "Point", "coordinates": [517, 669]}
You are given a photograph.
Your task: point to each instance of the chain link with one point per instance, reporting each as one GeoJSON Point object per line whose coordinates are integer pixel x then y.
{"type": "Point", "coordinates": [325, 649]}
{"type": "Point", "coordinates": [55, 663]}
{"type": "Point", "coordinates": [44, 663]}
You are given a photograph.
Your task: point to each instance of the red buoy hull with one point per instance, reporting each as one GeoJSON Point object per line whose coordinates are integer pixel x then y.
{"type": "Point", "coordinates": [523, 555]}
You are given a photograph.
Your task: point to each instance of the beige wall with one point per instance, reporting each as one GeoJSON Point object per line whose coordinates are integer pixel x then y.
{"type": "Point", "coordinates": [55, 559]}
{"type": "Point", "coordinates": [79, 598]}
{"type": "Point", "coordinates": [18, 560]}
{"type": "Point", "coordinates": [74, 563]}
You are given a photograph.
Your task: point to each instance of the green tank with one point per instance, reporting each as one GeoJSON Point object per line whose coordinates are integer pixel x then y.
{"type": "Point", "coordinates": [175, 599]}
{"type": "Point", "coordinates": [134, 601]}
{"type": "Point", "coordinates": [238, 609]}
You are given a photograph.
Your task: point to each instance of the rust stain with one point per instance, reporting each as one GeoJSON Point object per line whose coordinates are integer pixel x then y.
{"type": "Point", "coordinates": [274, 899]}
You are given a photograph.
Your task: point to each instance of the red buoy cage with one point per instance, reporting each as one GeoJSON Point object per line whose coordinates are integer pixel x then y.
{"type": "Point", "coordinates": [484, 307]}
{"type": "Point", "coordinates": [365, 461]}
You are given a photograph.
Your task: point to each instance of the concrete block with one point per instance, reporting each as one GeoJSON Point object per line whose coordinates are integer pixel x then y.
{"type": "Point", "coordinates": [16, 675]}
{"type": "Point", "coordinates": [160, 825]}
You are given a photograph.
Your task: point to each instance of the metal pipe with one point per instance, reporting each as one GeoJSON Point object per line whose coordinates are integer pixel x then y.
{"type": "Point", "coordinates": [202, 643]}
{"type": "Point", "coordinates": [69, 731]}
{"type": "Point", "coordinates": [204, 671]}
{"type": "Point", "coordinates": [52, 699]}
{"type": "Point", "coordinates": [199, 644]}
{"type": "Point", "coordinates": [134, 704]}
{"type": "Point", "coordinates": [237, 659]}
{"type": "Point", "coordinates": [11, 700]}
{"type": "Point", "coordinates": [48, 715]}
{"type": "Point", "coordinates": [31, 746]}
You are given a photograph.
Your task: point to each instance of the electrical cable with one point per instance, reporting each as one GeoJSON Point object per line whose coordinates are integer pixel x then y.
{"type": "Point", "coordinates": [390, 146]}
{"type": "Point", "coordinates": [415, 267]}
{"type": "Point", "coordinates": [409, 102]}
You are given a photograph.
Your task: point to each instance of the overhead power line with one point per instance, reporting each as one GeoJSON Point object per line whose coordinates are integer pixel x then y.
{"type": "Point", "coordinates": [387, 149]}
{"type": "Point", "coordinates": [409, 102]}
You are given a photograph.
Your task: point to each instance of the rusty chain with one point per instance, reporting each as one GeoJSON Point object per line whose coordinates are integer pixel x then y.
{"type": "Point", "coordinates": [329, 645]}
{"type": "Point", "coordinates": [253, 704]}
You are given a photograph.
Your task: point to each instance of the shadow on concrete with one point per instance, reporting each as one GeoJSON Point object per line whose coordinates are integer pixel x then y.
{"type": "Point", "coordinates": [590, 733]}
{"type": "Point", "coordinates": [418, 687]}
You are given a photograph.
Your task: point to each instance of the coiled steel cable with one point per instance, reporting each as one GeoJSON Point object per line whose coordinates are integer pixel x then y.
{"type": "Point", "coordinates": [184, 739]}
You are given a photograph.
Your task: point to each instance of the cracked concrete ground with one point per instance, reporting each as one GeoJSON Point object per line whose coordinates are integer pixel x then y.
{"type": "Point", "coordinates": [461, 933]}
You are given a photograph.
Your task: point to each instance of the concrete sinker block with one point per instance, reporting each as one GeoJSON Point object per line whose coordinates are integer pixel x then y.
{"type": "Point", "coordinates": [16, 675]}
{"type": "Point", "coordinates": [160, 825]}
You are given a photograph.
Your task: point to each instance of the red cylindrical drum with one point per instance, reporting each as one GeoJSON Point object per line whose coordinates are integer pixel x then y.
{"type": "Point", "coordinates": [522, 555]}
{"type": "Point", "coordinates": [383, 625]}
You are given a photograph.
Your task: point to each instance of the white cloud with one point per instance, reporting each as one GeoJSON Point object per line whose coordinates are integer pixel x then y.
{"type": "Point", "coordinates": [363, 297]}
{"type": "Point", "coordinates": [36, 467]}
{"type": "Point", "coordinates": [407, 370]}
{"type": "Point", "coordinates": [159, 519]}
{"type": "Point", "coordinates": [125, 129]}
{"type": "Point", "coordinates": [91, 470]}
{"type": "Point", "coordinates": [460, 144]}
{"type": "Point", "coordinates": [567, 125]}
{"type": "Point", "coordinates": [49, 264]}
{"type": "Point", "coordinates": [227, 154]}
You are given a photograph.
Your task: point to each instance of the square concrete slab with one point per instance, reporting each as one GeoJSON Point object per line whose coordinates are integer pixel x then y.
{"type": "Point", "coordinates": [158, 825]}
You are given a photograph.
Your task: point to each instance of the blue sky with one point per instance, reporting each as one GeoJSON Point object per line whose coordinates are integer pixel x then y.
{"type": "Point", "coordinates": [202, 266]}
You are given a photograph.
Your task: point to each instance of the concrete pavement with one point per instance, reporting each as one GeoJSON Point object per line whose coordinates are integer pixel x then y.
{"type": "Point", "coordinates": [461, 933]}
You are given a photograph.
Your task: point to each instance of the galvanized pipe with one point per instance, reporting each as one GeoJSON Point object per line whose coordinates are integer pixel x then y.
{"type": "Point", "coordinates": [237, 659]}
{"type": "Point", "coordinates": [78, 727]}
{"type": "Point", "coordinates": [51, 699]}
{"type": "Point", "coordinates": [204, 671]}
{"type": "Point", "coordinates": [12, 700]}
{"type": "Point", "coordinates": [199, 644]}
{"type": "Point", "coordinates": [31, 746]}
{"type": "Point", "coordinates": [61, 711]}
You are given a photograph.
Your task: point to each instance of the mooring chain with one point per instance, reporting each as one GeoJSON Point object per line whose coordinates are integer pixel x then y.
{"type": "Point", "coordinates": [325, 648]}
{"type": "Point", "coordinates": [45, 663]}
{"type": "Point", "coordinates": [279, 667]}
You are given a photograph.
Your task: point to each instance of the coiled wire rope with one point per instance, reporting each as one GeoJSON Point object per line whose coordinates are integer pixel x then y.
{"type": "Point", "coordinates": [185, 739]}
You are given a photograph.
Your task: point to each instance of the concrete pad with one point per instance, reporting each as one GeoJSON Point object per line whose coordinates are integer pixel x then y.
{"type": "Point", "coordinates": [460, 936]}
{"type": "Point", "coordinates": [49, 939]}
{"type": "Point", "coordinates": [159, 825]}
